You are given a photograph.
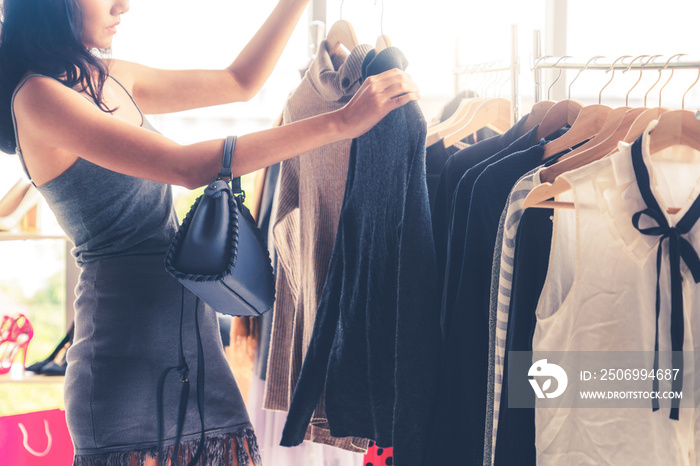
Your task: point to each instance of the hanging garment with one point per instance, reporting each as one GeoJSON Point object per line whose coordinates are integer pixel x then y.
{"type": "Point", "coordinates": [459, 215]}
{"type": "Point", "coordinates": [501, 283]}
{"type": "Point", "coordinates": [460, 414]}
{"type": "Point", "coordinates": [265, 217]}
{"type": "Point", "coordinates": [269, 424]}
{"type": "Point", "coordinates": [451, 107]}
{"type": "Point", "coordinates": [310, 198]}
{"type": "Point", "coordinates": [377, 456]}
{"type": "Point", "coordinates": [376, 337]}
{"type": "Point", "coordinates": [437, 154]}
{"type": "Point", "coordinates": [514, 294]}
{"type": "Point", "coordinates": [435, 157]}
{"type": "Point", "coordinates": [619, 297]}
{"type": "Point", "coordinates": [268, 427]}
{"type": "Point", "coordinates": [515, 441]}
{"type": "Point", "coordinates": [455, 167]}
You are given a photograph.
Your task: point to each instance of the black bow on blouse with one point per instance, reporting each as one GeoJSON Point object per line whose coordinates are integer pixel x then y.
{"type": "Point", "coordinates": [678, 247]}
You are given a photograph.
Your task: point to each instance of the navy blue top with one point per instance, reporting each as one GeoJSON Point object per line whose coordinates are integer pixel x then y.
{"type": "Point", "coordinates": [454, 168]}
{"type": "Point", "coordinates": [461, 403]}
{"type": "Point", "coordinates": [376, 339]}
{"type": "Point", "coordinates": [460, 210]}
{"type": "Point", "coordinates": [436, 155]}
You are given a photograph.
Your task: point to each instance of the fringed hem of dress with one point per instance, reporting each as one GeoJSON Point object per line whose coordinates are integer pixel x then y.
{"type": "Point", "coordinates": [217, 452]}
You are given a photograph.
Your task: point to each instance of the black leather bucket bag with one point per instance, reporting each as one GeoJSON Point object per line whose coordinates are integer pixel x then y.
{"type": "Point", "coordinates": [218, 252]}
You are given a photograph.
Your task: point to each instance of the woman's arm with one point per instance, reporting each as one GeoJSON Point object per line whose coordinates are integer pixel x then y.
{"type": "Point", "coordinates": [165, 91]}
{"type": "Point", "coordinates": [56, 122]}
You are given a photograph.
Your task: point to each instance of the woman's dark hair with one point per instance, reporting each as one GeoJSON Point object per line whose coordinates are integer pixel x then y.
{"type": "Point", "coordinates": [44, 36]}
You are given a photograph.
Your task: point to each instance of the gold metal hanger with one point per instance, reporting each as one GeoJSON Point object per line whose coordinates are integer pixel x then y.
{"type": "Point", "coordinates": [641, 71]}
{"type": "Point", "coordinates": [612, 122]}
{"type": "Point", "coordinates": [341, 38]}
{"type": "Point", "coordinates": [539, 109]}
{"type": "Point", "coordinates": [603, 145]}
{"type": "Point", "coordinates": [676, 127]}
{"type": "Point", "coordinates": [647, 116]}
{"type": "Point", "coordinates": [383, 41]}
{"type": "Point", "coordinates": [610, 70]}
{"type": "Point", "coordinates": [691, 86]}
{"type": "Point", "coordinates": [588, 123]}
{"type": "Point", "coordinates": [561, 114]}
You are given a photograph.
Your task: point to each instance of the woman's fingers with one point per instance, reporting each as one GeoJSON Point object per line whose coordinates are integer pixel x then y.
{"type": "Point", "coordinates": [378, 95]}
{"type": "Point", "coordinates": [404, 99]}
{"type": "Point", "coordinates": [392, 83]}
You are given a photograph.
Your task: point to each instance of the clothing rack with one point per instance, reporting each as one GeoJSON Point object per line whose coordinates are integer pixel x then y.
{"type": "Point", "coordinates": [513, 68]}
{"type": "Point", "coordinates": [650, 62]}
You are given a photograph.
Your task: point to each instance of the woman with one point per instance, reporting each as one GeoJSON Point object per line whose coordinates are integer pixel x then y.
{"type": "Point", "coordinates": [105, 173]}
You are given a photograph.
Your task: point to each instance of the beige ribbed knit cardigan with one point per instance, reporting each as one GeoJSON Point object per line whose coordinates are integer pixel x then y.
{"type": "Point", "coordinates": [311, 191]}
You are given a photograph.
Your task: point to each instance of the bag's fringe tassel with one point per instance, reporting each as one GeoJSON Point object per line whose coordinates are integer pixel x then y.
{"type": "Point", "coordinates": [218, 451]}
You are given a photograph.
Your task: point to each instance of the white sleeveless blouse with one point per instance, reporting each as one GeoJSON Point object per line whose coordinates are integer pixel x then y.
{"type": "Point", "coordinates": [600, 295]}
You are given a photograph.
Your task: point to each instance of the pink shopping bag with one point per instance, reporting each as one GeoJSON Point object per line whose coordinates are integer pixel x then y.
{"type": "Point", "coordinates": [35, 439]}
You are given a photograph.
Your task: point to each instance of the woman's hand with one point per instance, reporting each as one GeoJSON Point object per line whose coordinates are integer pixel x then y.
{"type": "Point", "coordinates": [378, 95]}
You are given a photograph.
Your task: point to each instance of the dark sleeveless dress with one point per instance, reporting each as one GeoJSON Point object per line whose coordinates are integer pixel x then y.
{"type": "Point", "coordinates": [128, 315]}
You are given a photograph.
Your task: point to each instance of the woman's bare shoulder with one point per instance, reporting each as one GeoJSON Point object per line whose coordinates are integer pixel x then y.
{"type": "Point", "coordinates": [32, 83]}
{"type": "Point", "coordinates": [125, 72]}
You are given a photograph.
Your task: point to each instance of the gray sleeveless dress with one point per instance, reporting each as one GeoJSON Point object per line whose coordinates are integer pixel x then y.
{"type": "Point", "coordinates": [128, 328]}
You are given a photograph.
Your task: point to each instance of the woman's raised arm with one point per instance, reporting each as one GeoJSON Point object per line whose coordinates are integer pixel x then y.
{"type": "Point", "coordinates": [164, 91]}
{"type": "Point", "coordinates": [57, 122]}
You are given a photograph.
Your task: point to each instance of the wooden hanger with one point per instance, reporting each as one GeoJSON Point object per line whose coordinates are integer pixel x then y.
{"type": "Point", "coordinates": [537, 113]}
{"type": "Point", "coordinates": [383, 42]}
{"type": "Point", "coordinates": [546, 129]}
{"type": "Point", "coordinates": [642, 122]}
{"type": "Point", "coordinates": [539, 109]}
{"type": "Point", "coordinates": [588, 123]}
{"type": "Point", "coordinates": [341, 39]}
{"type": "Point", "coordinates": [459, 118]}
{"type": "Point", "coordinates": [675, 127]}
{"type": "Point", "coordinates": [680, 127]}
{"type": "Point", "coordinates": [602, 149]}
{"type": "Point", "coordinates": [539, 196]}
{"type": "Point", "coordinates": [648, 115]}
{"type": "Point", "coordinates": [561, 114]}
{"type": "Point", "coordinates": [612, 121]}
{"type": "Point", "coordinates": [462, 106]}
{"type": "Point", "coordinates": [551, 187]}
{"type": "Point", "coordinates": [544, 106]}
{"type": "Point", "coordinates": [494, 113]}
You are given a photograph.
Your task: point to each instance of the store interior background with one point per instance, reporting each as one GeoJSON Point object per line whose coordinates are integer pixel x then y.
{"type": "Point", "coordinates": [437, 36]}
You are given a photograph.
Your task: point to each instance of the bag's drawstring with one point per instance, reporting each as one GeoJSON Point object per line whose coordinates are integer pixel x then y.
{"type": "Point", "coordinates": [183, 369]}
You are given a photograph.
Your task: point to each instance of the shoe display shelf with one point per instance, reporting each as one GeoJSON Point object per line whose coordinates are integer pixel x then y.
{"type": "Point", "coordinates": [71, 280]}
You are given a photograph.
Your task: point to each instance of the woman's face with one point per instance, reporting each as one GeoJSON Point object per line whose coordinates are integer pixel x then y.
{"type": "Point", "coordinates": [100, 20]}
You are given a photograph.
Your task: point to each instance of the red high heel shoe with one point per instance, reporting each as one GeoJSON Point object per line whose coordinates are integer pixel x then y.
{"type": "Point", "coordinates": [16, 342]}
{"type": "Point", "coordinates": [5, 327]}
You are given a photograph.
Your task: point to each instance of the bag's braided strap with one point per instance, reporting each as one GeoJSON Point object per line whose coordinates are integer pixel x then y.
{"type": "Point", "coordinates": [182, 231]}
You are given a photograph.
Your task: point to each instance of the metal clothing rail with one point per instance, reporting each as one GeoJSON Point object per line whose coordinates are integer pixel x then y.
{"type": "Point", "coordinates": [647, 63]}
{"type": "Point", "coordinates": [513, 68]}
